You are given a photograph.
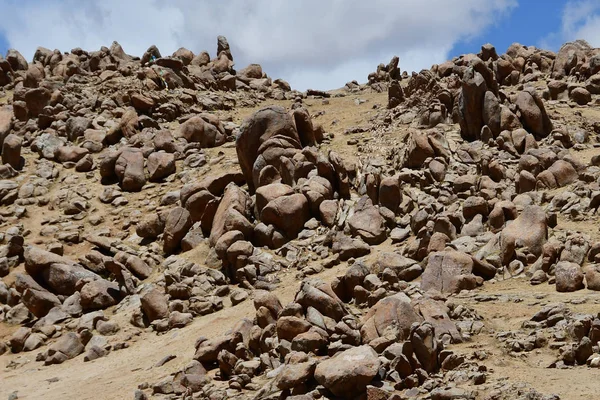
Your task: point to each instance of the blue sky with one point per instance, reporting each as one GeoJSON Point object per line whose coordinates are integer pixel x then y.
{"type": "Point", "coordinates": [531, 23]}
{"type": "Point", "coordinates": [311, 43]}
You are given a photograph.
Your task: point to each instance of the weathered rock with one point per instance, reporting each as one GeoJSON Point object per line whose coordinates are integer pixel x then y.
{"type": "Point", "coordinates": [178, 223]}
{"type": "Point", "coordinates": [367, 222]}
{"type": "Point", "coordinates": [11, 151]}
{"type": "Point", "coordinates": [569, 277]}
{"type": "Point", "coordinates": [533, 113]}
{"type": "Point", "coordinates": [129, 168]}
{"type": "Point", "coordinates": [348, 373]}
{"type": "Point", "coordinates": [154, 304]}
{"type": "Point", "coordinates": [390, 317]}
{"type": "Point", "coordinates": [529, 230]}
{"type": "Point", "coordinates": [287, 214]}
{"type": "Point", "coordinates": [448, 272]}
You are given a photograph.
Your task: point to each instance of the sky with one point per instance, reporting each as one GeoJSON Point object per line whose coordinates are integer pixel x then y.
{"type": "Point", "coordinates": [318, 44]}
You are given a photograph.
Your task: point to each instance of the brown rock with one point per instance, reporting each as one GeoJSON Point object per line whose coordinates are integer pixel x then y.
{"type": "Point", "coordinates": [11, 151]}
{"type": "Point", "coordinates": [178, 223]}
{"type": "Point", "coordinates": [390, 317]}
{"type": "Point", "coordinates": [348, 373]}
{"type": "Point", "coordinates": [160, 165]}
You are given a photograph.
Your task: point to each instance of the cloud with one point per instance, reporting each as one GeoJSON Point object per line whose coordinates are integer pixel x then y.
{"type": "Point", "coordinates": [580, 20]}
{"type": "Point", "coordinates": [311, 43]}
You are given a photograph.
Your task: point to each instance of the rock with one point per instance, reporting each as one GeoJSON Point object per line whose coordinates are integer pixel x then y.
{"type": "Point", "coordinates": [471, 100]}
{"type": "Point", "coordinates": [395, 94]}
{"type": "Point", "coordinates": [99, 294]}
{"type": "Point", "coordinates": [39, 301]}
{"type": "Point", "coordinates": [319, 295]}
{"type": "Point", "coordinates": [68, 346]}
{"type": "Point", "coordinates": [389, 317]}
{"type": "Point", "coordinates": [592, 277]}
{"type": "Point", "coordinates": [129, 168]}
{"type": "Point", "coordinates": [425, 346]}
{"type": "Point", "coordinates": [11, 151]}
{"type": "Point", "coordinates": [198, 130]}
{"type": "Point", "coordinates": [293, 375]}
{"type": "Point", "coordinates": [269, 128]}
{"type": "Point", "coordinates": [529, 230]}
{"type": "Point", "coordinates": [76, 127]}
{"type": "Point", "coordinates": [367, 222]}
{"type": "Point", "coordinates": [569, 277]}
{"type": "Point", "coordinates": [533, 113]}
{"type": "Point", "coordinates": [267, 193]}
{"type": "Point", "coordinates": [563, 173]}
{"type": "Point", "coordinates": [160, 165]}
{"type": "Point", "coordinates": [232, 213]}
{"type": "Point", "coordinates": [65, 154]}
{"type": "Point", "coordinates": [287, 214]}
{"type": "Point", "coordinates": [580, 96]}
{"type": "Point", "coordinates": [178, 223]}
{"type": "Point", "coordinates": [389, 193]}
{"type": "Point", "coordinates": [448, 271]}
{"type": "Point", "coordinates": [348, 247]}
{"type": "Point", "coordinates": [348, 373]}
{"type": "Point", "coordinates": [154, 304]}
{"type": "Point", "coordinates": [288, 327]}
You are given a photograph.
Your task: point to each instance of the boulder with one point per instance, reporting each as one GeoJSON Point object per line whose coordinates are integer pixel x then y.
{"type": "Point", "coordinates": [529, 230]}
{"type": "Point", "coordinates": [11, 151]}
{"type": "Point", "coordinates": [390, 317]}
{"type": "Point", "coordinates": [177, 225]}
{"type": "Point", "coordinates": [287, 214]}
{"type": "Point", "coordinates": [319, 295]}
{"type": "Point", "coordinates": [448, 271]}
{"type": "Point", "coordinates": [231, 214]}
{"type": "Point", "coordinates": [129, 168]}
{"type": "Point", "coordinates": [67, 347]}
{"type": "Point", "coordinates": [160, 165]}
{"type": "Point", "coordinates": [269, 128]}
{"type": "Point", "coordinates": [580, 96]}
{"type": "Point", "coordinates": [154, 304]}
{"type": "Point", "coordinates": [348, 373]}
{"type": "Point", "coordinates": [470, 104]}
{"type": "Point", "coordinates": [198, 130]}
{"type": "Point", "coordinates": [569, 277]}
{"type": "Point", "coordinates": [367, 222]}
{"type": "Point", "coordinates": [99, 294]}
{"type": "Point", "coordinates": [533, 113]}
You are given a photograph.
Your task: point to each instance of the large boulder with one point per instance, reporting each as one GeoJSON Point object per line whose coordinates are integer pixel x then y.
{"type": "Point", "coordinates": [129, 168]}
{"type": "Point", "coordinates": [154, 304]}
{"type": "Point", "coordinates": [470, 104]}
{"type": "Point", "coordinates": [390, 317]}
{"type": "Point", "coordinates": [196, 129]}
{"type": "Point", "coordinates": [367, 222]}
{"type": "Point", "coordinates": [533, 113]}
{"type": "Point", "coordinates": [177, 225]}
{"type": "Point", "coordinates": [569, 277]}
{"type": "Point", "coordinates": [11, 151]}
{"type": "Point", "coordinates": [448, 271]}
{"type": "Point", "coordinates": [232, 214]}
{"type": "Point", "coordinates": [99, 294]}
{"type": "Point", "coordinates": [269, 128]}
{"type": "Point", "coordinates": [287, 214]}
{"type": "Point", "coordinates": [567, 58]}
{"type": "Point", "coordinates": [348, 373]}
{"type": "Point", "coordinates": [319, 295]}
{"type": "Point", "coordinates": [529, 230]}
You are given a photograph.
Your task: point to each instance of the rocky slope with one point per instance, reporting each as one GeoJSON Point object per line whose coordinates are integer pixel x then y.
{"type": "Point", "coordinates": [174, 228]}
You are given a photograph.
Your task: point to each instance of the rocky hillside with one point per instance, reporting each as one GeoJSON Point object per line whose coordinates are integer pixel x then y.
{"type": "Point", "coordinates": [172, 228]}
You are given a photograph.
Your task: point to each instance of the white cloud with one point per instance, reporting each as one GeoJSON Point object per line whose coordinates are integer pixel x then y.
{"type": "Point", "coordinates": [580, 20]}
{"type": "Point", "coordinates": [311, 43]}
